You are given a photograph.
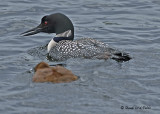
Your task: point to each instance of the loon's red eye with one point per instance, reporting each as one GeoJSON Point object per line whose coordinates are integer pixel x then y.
{"type": "Point", "coordinates": [45, 22]}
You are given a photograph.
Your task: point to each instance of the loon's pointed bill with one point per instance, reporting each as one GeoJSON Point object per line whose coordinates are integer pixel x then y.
{"type": "Point", "coordinates": [33, 31]}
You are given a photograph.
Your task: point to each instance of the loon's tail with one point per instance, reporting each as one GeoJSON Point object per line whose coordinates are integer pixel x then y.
{"type": "Point", "coordinates": [121, 57]}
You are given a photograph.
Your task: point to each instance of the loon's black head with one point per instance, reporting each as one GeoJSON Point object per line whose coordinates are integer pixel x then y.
{"type": "Point", "coordinates": [54, 23]}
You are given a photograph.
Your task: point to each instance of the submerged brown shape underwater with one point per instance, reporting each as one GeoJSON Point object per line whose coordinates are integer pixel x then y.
{"type": "Point", "coordinates": [56, 74]}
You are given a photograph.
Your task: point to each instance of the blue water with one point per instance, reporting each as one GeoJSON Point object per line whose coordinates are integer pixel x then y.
{"type": "Point", "coordinates": [104, 87]}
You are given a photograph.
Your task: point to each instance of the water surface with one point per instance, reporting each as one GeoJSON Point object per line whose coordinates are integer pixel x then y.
{"type": "Point", "coordinates": [104, 86]}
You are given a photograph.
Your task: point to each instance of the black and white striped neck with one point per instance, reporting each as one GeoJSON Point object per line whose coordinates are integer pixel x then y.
{"type": "Point", "coordinates": [59, 37]}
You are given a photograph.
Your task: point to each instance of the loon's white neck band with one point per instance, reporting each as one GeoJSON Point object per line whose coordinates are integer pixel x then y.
{"type": "Point", "coordinates": [67, 33]}
{"type": "Point", "coordinates": [60, 36]}
{"type": "Point", "coordinates": [51, 44]}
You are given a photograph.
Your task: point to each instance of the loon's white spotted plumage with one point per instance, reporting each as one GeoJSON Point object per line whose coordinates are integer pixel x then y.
{"type": "Point", "coordinates": [62, 46]}
{"type": "Point", "coordinates": [82, 48]}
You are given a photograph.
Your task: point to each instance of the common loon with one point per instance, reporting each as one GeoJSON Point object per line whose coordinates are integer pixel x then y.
{"type": "Point", "coordinates": [62, 46]}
